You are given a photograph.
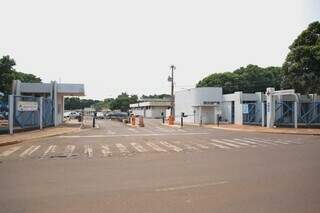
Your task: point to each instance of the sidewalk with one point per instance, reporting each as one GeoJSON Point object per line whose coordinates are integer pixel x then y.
{"type": "Point", "coordinates": [280, 130]}
{"type": "Point", "coordinates": [7, 139]}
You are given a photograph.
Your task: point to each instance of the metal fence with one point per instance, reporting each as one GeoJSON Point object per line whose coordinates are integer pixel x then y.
{"type": "Point", "coordinates": [4, 113]}
{"type": "Point", "coordinates": [252, 114]}
{"type": "Point", "coordinates": [26, 112]}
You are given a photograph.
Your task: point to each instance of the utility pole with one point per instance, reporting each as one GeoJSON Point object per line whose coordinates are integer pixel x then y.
{"type": "Point", "coordinates": [172, 89]}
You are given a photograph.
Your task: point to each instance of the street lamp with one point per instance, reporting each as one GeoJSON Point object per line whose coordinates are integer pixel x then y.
{"type": "Point", "coordinates": [170, 79]}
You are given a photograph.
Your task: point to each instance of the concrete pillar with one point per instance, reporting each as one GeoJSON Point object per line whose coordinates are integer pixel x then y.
{"type": "Point", "coordinates": [270, 107]}
{"type": "Point", "coordinates": [262, 114]}
{"type": "Point", "coordinates": [295, 114]}
{"type": "Point", "coordinates": [55, 102]}
{"type": "Point", "coordinates": [238, 113]}
{"type": "Point", "coordinates": [40, 112]}
{"type": "Point", "coordinates": [11, 112]}
{"type": "Point", "coordinates": [200, 115]}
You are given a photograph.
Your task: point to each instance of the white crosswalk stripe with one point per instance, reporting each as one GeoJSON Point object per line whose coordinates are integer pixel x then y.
{"type": "Point", "coordinates": [274, 142]}
{"type": "Point", "coordinates": [138, 147]}
{"type": "Point", "coordinates": [240, 143]}
{"type": "Point", "coordinates": [122, 148]}
{"type": "Point", "coordinates": [170, 146]}
{"type": "Point", "coordinates": [250, 142]}
{"type": "Point", "coordinates": [219, 146]}
{"type": "Point", "coordinates": [226, 143]}
{"type": "Point", "coordinates": [187, 146]}
{"type": "Point", "coordinates": [29, 151]}
{"type": "Point", "coordinates": [10, 151]}
{"type": "Point", "coordinates": [156, 147]}
{"type": "Point", "coordinates": [88, 150]}
{"type": "Point", "coordinates": [51, 149]}
{"type": "Point", "coordinates": [202, 146]}
{"type": "Point", "coordinates": [106, 150]}
{"type": "Point", "coordinates": [69, 150]}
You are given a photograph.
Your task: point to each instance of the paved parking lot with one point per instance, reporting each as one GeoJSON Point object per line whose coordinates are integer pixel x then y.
{"type": "Point", "coordinates": [117, 168]}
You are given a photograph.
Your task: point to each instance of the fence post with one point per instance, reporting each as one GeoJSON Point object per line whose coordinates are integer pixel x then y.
{"type": "Point", "coordinates": [295, 114]}
{"type": "Point", "coordinates": [11, 112]}
{"type": "Point", "coordinates": [40, 112]}
{"type": "Point", "coordinates": [182, 115]}
{"type": "Point", "coordinates": [262, 114]}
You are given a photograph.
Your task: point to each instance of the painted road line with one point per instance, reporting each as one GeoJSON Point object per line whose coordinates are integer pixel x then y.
{"type": "Point", "coordinates": [268, 141]}
{"type": "Point", "coordinates": [69, 150]}
{"type": "Point", "coordinates": [51, 149]}
{"type": "Point", "coordinates": [106, 150]}
{"type": "Point", "coordinates": [132, 135]}
{"type": "Point", "coordinates": [187, 146]}
{"type": "Point", "coordinates": [202, 146]}
{"type": "Point", "coordinates": [176, 188]}
{"type": "Point", "coordinates": [156, 147]}
{"type": "Point", "coordinates": [88, 150]}
{"type": "Point", "coordinates": [10, 151]}
{"type": "Point", "coordinates": [240, 143]}
{"type": "Point", "coordinates": [181, 130]}
{"type": "Point", "coordinates": [122, 148]}
{"type": "Point", "coordinates": [170, 146]}
{"type": "Point", "coordinates": [138, 147]}
{"type": "Point", "coordinates": [260, 141]}
{"type": "Point", "coordinates": [29, 151]}
{"type": "Point", "coordinates": [219, 146]}
{"type": "Point", "coordinates": [226, 143]}
{"type": "Point", "coordinates": [250, 142]}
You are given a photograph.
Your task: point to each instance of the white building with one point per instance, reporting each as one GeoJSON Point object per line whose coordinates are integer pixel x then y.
{"type": "Point", "coordinates": [54, 91]}
{"type": "Point", "coordinates": [150, 109]}
{"type": "Point", "coordinates": [273, 108]}
{"type": "Point", "coordinates": [200, 105]}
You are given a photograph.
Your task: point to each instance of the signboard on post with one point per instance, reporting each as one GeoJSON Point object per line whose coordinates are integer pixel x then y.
{"type": "Point", "coordinates": [245, 108]}
{"type": "Point", "coordinates": [27, 106]}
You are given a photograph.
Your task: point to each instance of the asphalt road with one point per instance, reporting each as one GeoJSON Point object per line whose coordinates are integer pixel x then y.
{"type": "Point", "coordinates": [116, 168]}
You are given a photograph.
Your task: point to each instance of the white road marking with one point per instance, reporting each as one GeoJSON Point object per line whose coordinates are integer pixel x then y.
{"type": "Point", "coordinates": [226, 143]}
{"type": "Point", "coordinates": [51, 149]}
{"type": "Point", "coordinates": [265, 141]}
{"type": "Point", "coordinates": [220, 146]}
{"type": "Point", "coordinates": [122, 148]}
{"type": "Point", "coordinates": [181, 130]}
{"type": "Point", "coordinates": [138, 147]}
{"type": "Point", "coordinates": [170, 146]}
{"type": "Point", "coordinates": [240, 143]}
{"type": "Point", "coordinates": [106, 150]}
{"type": "Point", "coordinates": [69, 150]}
{"type": "Point", "coordinates": [250, 142]}
{"type": "Point", "coordinates": [130, 135]}
{"type": "Point", "coordinates": [187, 146]}
{"type": "Point", "coordinates": [10, 151]}
{"type": "Point", "coordinates": [29, 151]}
{"type": "Point", "coordinates": [189, 186]}
{"type": "Point", "coordinates": [88, 150]}
{"type": "Point", "coordinates": [202, 146]}
{"type": "Point", "coordinates": [156, 147]}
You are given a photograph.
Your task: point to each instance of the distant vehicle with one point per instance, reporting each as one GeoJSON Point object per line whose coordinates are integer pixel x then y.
{"type": "Point", "coordinates": [117, 115]}
{"type": "Point", "coordinates": [100, 115]}
{"type": "Point", "coordinates": [72, 115]}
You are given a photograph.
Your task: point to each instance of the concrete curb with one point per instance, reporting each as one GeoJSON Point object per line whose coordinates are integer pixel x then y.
{"type": "Point", "coordinates": [16, 141]}
{"type": "Point", "coordinates": [259, 131]}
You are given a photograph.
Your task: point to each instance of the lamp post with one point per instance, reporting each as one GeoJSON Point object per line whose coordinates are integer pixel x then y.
{"type": "Point", "coordinates": [170, 78]}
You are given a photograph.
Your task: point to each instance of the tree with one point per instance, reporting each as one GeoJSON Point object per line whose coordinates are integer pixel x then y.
{"type": "Point", "coordinates": [301, 70]}
{"type": "Point", "coordinates": [247, 79]}
{"type": "Point", "coordinates": [8, 74]}
{"type": "Point", "coordinates": [123, 101]}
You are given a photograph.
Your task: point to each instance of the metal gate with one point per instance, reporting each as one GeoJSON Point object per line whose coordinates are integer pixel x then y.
{"type": "Point", "coordinates": [24, 117]}
{"type": "Point", "coordinates": [251, 114]}
{"type": "Point", "coordinates": [284, 113]}
{"type": "Point", "coordinates": [4, 113]}
{"type": "Point", "coordinates": [47, 112]}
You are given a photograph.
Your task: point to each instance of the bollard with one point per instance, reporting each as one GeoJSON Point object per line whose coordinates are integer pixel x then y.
{"type": "Point", "coordinates": [133, 120]}
{"type": "Point", "coordinates": [182, 115]}
{"type": "Point", "coordinates": [171, 120]}
{"type": "Point", "coordinates": [163, 117]}
{"type": "Point", "coordinates": [141, 123]}
{"type": "Point", "coordinates": [94, 120]}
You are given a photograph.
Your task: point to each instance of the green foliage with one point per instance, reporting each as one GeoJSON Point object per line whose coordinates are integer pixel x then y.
{"type": "Point", "coordinates": [301, 69]}
{"type": "Point", "coordinates": [122, 102]}
{"type": "Point", "coordinates": [8, 74]}
{"type": "Point", "coordinates": [155, 96]}
{"type": "Point", "coordinates": [73, 103]}
{"type": "Point", "coordinates": [248, 79]}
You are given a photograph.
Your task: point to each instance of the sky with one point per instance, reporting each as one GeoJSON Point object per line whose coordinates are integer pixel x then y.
{"type": "Point", "coordinates": [128, 46]}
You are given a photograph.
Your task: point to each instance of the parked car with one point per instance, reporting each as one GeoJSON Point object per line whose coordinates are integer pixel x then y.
{"type": "Point", "coordinates": [100, 115]}
{"type": "Point", "coordinates": [117, 115]}
{"type": "Point", "coordinates": [72, 115]}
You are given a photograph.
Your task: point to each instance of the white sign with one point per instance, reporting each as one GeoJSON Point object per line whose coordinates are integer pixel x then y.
{"type": "Point", "coordinates": [27, 106]}
{"type": "Point", "coordinates": [245, 108]}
